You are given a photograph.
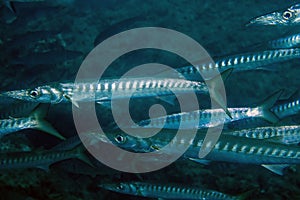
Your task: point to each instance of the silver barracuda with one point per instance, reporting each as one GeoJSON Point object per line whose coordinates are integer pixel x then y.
{"type": "Point", "coordinates": [104, 90]}
{"type": "Point", "coordinates": [286, 42]}
{"type": "Point", "coordinates": [187, 120]}
{"type": "Point", "coordinates": [240, 62]}
{"type": "Point", "coordinates": [285, 17]}
{"type": "Point", "coordinates": [282, 134]}
{"type": "Point", "coordinates": [168, 191]}
{"type": "Point", "coordinates": [40, 159]}
{"type": "Point", "coordinates": [34, 121]}
{"type": "Point", "coordinates": [271, 155]}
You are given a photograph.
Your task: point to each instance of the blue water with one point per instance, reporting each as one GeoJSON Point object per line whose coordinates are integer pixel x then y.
{"type": "Point", "coordinates": [46, 42]}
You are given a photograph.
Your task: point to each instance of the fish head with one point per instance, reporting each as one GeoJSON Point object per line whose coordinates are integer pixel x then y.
{"type": "Point", "coordinates": [290, 16]}
{"type": "Point", "coordinates": [124, 188]}
{"type": "Point", "coordinates": [41, 94]}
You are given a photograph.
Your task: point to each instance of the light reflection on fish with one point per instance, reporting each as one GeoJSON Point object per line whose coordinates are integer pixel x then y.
{"type": "Point", "coordinates": [104, 90]}
{"type": "Point", "coordinates": [286, 42]}
{"type": "Point", "coordinates": [282, 134]}
{"type": "Point", "coordinates": [239, 62]}
{"type": "Point", "coordinates": [186, 120]}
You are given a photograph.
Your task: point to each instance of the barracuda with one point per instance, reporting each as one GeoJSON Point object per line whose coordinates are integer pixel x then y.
{"type": "Point", "coordinates": [282, 134]}
{"type": "Point", "coordinates": [106, 90]}
{"type": "Point", "coordinates": [229, 148]}
{"type": "Point", "coordinates": [286, 17]}
{"type": "Point", "coordinates": [240, 62]}
{"type": "Point", "coordinates": [167, 191]}
{"type": "Point", "coordinates": [213, 117]}
{"type": "Point", "coordinates": [286, 42]}
{"type": "Point", "coordinates": [34, 121]}
{"type": "Point", "coordinates": [39, 159]}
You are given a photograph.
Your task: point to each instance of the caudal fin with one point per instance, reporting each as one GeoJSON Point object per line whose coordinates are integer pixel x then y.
{"type": "Point", "coordinates": [9, 5]}
{"type": "Point", "coordinates": [267, 104]}
{"type": "Point", "coordinates": [39, 113]}
{"type": "Point", "coordinates": [80, 153]}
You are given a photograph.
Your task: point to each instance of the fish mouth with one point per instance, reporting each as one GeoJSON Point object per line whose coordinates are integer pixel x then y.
{"type": "Point", "coordinates": [270, 19]}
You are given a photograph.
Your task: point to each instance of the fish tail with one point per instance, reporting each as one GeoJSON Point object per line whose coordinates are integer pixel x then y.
{"type": "Point", "coordinates": [267, 104]}
{"type": "Point", "coordinates": [80, 152]}
{"type": "Point", "coordinates": [39, 114]}
{"type": "Point", "coordinates": [10, 6]}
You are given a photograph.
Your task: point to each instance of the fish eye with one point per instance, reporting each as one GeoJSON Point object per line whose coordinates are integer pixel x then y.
{"type": "Point", "coordinates": [287, 15]}
{"type": "Point", "coordinates": [120, 139]}
{"type": "Point", "coordinates": [34, 93]}
{"type": "Point", "coordinates": [120, 187]}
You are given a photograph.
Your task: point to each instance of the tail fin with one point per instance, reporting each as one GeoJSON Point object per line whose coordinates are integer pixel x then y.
{"type": "Point", "coordinates": [39, 113]}
{"type": "Point", "coordinates": [215, 90]}
{"type": "Point", "coordinates": [10, 6]}
{"type": "Point", "coordinates": [267, 104]}
{"type": "Point", "coordinates": [79, 152]}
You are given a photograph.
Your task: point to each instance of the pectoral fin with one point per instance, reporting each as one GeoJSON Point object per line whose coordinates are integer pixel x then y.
{"type": "Point", "coordinates": [39, 113]}
{"type": "Point", "coordinates": [215, 89]}
{"type": "Point", "coordinates": [277, 169]}
{"type": "Point", "coordinates": [267, 104]}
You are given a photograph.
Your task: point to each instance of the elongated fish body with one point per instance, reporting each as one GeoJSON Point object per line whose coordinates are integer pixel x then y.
{"type": "Point", "coordinates": [106, 90]}
{"type": "Point", "coordinates": [38, 159]}
{"type": "Point", "coordinates": [287, 109]}
{"type": "Point", "coordinates": [240, 62]}
{"type": "Point", "coordinates": [283, 134]}
{"type": "Point", "coordinates": [103, 90]}
{"type": "Point", "coordinates": [166, 191]}
{"type": "Point", "coordinates": [34, 121]}
{"type": "Point", "coordinates": [213, 117]}
{"type": "Point", "coordinates": [228, 148]}
{"type": "Point", "coordinates": [286, 42]}
{"type": "Point", "coordinates": [286, 17]}
{"type": "Point", "coordinates": [186, 120]}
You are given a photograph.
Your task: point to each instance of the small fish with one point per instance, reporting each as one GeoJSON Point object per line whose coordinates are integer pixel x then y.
{"type": "Point", "coordinates": [107, 89]}
{"type": "Point", "coordinates": [282, 134]}
{"type": "Point", "coordinates": [239, 62]}
{"type": "Point", "coordinates": [286, 17]}
{"type": "Point", "coordinates": [35, 120]}
{"type": "Point", "coordinates": [168, 191]}
{"type": "Point", "coordinates": [213, 117]}
{"type": "Point", "coordinates": [286, 42]}
{"type": "Point", "coordinates": [40, 159]}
